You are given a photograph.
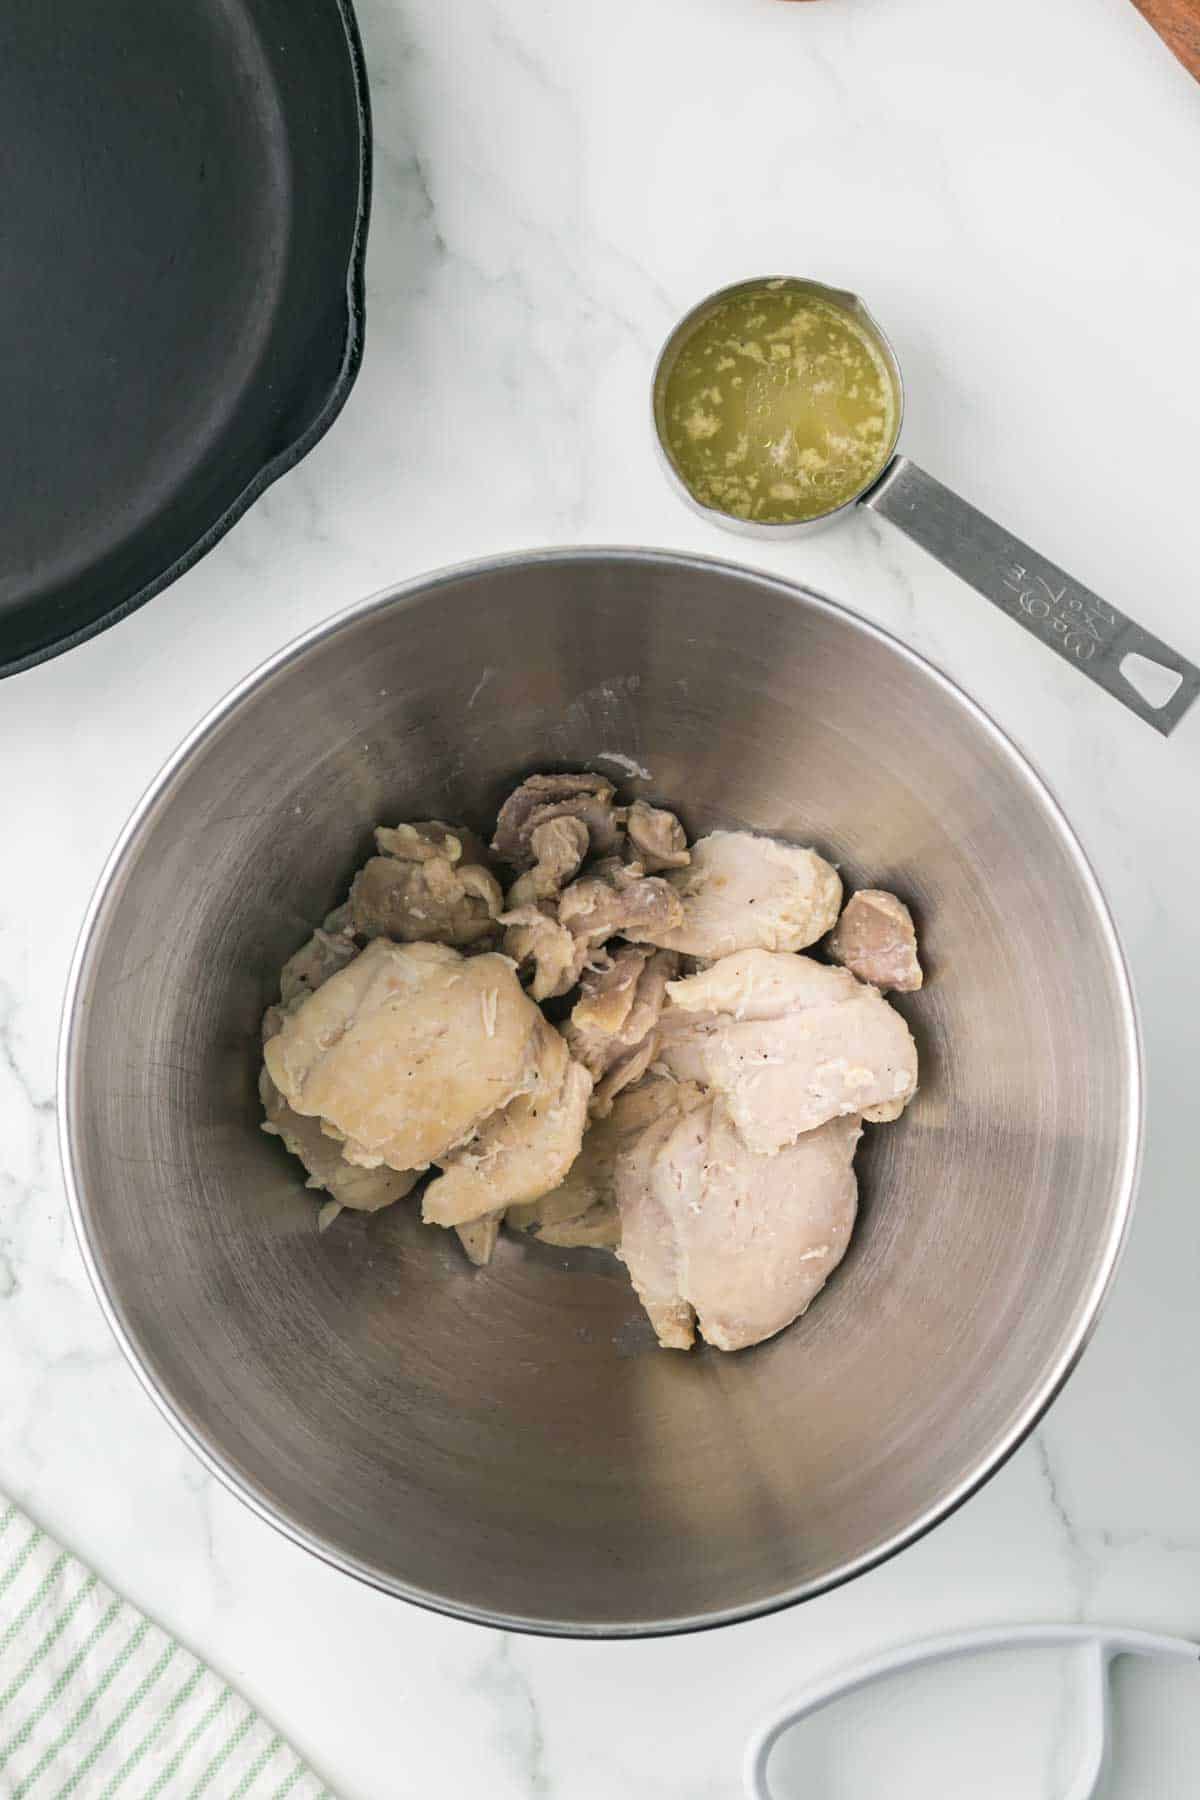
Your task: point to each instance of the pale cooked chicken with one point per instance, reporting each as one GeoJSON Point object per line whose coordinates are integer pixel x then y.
{"type": "Point", "coordinates": [789, 1043]}
{"type": "Point", "coordinates": [582, 1210]}
{"type": "Point", "coordinates": [364, 1190]}
{"type": "Point", "coordinates": [715, 1235]}
{"type": "Point", "coordinates": [875, 939]}
{"type": "Point", "coordinates": [707, 1125]}
{"type": "Point", "coordinates": [589, 798]}
{"type": "Point", "coordinates": [613, 1027]}
{"type": "Point", "coordinates": [656, 838]}
{"type": "Point", "coordinates": [422, 891]}
{"type": "Point", "coordinates": [408, 1050]}
{"type": "Point", "coordinates": [559, 846]}
{"type": "Point", "coordinates": [430, 838]}
{"type": "Point", "coordinates": [559, 940]}
{"type": "Point", "coordinates": [744, 892]}
{"type": "Point", "coordinates": [617, 900]}
{"type": "Point", "coordinates": [520, 1152]}
{"type": "Point", "coordinates": [547, 951]}
{"type": "Point", "coordinates": [326, 951]}
{"type": "Point", "coordinates": [480, 1237]}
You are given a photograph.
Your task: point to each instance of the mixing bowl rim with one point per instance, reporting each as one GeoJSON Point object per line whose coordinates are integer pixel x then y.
{"type": "Point", "coordinates": [76, 998]}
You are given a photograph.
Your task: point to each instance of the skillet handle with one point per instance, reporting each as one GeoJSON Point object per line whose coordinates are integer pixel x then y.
{"type": "Point", "coordinates": [1061, 613]}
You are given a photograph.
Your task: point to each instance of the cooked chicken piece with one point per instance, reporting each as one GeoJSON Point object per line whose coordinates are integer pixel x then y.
{"type": "Point", "coordinates": [613, 1025]}
{"type": "Point", "coordinates": [876, 940]}
{"type": "Point", "coordinates": [272, 1021]}
{"type": "Point", "coordinates": [657, 838]}
{"type": "Point", "coordinates": [430, 838]}
{"type": "Point", "coordinates": [619, 901]}
{"type": "Point", "coordinates": [322, 956]}
{"type": "Point", "coordinates": [545, 797]}
{"type": "Point", "coordinates": [420, 896]}
{"type": "Point", "coordinates": [366, 1190]}
{"type": "Point", "coordinates": [788, 1042]}
{"type": "Point", "coordinates": [560, 846]}
{"type": "Point", "coordinates": [648, 1247]}
{"type": "Point", "coordinates": [741, 1243]}
{"type": "Point", "coordinates": [597, 1229]}
{"type": "Point", "coordinates": [617, 872]}
{"type": "Point", "coordinates": [478, 1238]}
{"type": "Point", "coordinates": [885, 1113]}
{"type": "Point", "coordinates": [626, 1072]}
{"type": "Point", "coordinates": [603, 1008]}
{"type": "Point", "coordinates": [408, 1050]}
{"type": "Point", "coordinates": [522, 1152]}
{"type": "Point", "coordinates": [744, 892]}
{"type": "Point", "coordinates": [340, 922]}
{"type": "Point", "coordinates": [582, 1210]}
{"type": "Point", "coordinates": [534, 939]}
{"type": "Point", "coordinates": [561, 942]}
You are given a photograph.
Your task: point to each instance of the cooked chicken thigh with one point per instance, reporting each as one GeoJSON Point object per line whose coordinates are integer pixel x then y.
{"type": "Point", "coordinates": [744, 892]}
{"type": "Point", "coordinates": [656, 838]}
{"type": "Point", "coordinates": [537, 942]}
{"type": "Point", "coordinates": [619, 901]}
{"type": "Point", "coordinates": [407, 1051]}
{"type": "Point", "coordinates": [365, 1190]}
{"type": "Point", "coordinates": [520, 1152]}
{"type": "Point", "coordinates": [789, 1043]}
{"type": "Point", "coordinates": [876, 940]}
{"type": "Point", "coordinates": [613, 1025]}
{"type": "Point", "coordinates": [712, 1232]}
{"type": "Point", "coordinates": [429, 838]}
{"type": "Point", "coordinates": [560, 846]}
{"type": "Point", "coordinates": [480, 1237]}
{"type": "Point", "coordinates": [560, 941]}
{"type": "Point", "coordinates": [582, 1210]}
{"type": "Point", "coordinates": [705, 1125]}
{"type": "Point", "coordinates": [544, 797]}
{"type": "Point", "coordinates": [422, 891]}
{"type": "Point", "coordinates": [322, 956]}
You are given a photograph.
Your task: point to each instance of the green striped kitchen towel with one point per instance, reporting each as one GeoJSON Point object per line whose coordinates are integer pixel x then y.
{"type": "Point", "coordinates": [96, 1701]}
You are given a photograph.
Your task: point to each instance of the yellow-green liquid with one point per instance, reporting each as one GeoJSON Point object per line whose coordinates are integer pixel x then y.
{"type": "Point", "coordinates": [778, 406]}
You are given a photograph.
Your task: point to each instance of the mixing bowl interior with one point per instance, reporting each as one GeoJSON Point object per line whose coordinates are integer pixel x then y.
{"type": "Point", "coordinates": [508, 1443]}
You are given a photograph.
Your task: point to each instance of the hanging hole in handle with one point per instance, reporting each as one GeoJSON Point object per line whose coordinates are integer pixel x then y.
{"type": "Point", "coordinates": [987, 1727]}
{"type": "Point", "coordinates": [1156, 1729]}
{"type": "Point", "coordinates": [1156, 685]}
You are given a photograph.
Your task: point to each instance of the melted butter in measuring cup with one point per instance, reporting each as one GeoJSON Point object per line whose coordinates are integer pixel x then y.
{"type": "Point", "coordinates": [777, 405]}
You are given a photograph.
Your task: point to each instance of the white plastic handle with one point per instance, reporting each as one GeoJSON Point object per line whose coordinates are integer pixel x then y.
{"type": "Point", "coordinates": [1097, 1645]}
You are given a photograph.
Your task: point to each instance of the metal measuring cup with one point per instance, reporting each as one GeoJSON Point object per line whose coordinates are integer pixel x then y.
{"type": "Point", "coordinates": [1058, 610]}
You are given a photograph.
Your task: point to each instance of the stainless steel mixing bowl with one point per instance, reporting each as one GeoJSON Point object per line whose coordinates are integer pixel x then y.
{"type": "Point", "coordinates": [507, 1444]}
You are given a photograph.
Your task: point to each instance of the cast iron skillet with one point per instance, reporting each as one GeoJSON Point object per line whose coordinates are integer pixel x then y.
{"type": "Point", "coordinates": [181, 311]}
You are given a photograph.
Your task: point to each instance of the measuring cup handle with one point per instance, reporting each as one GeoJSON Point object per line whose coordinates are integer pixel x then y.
{"type": "Point", "coordinates": [1058, 610]}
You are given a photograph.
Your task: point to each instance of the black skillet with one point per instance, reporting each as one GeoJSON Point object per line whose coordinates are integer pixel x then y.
{"type": "Point", "coordinates": [184, 188]}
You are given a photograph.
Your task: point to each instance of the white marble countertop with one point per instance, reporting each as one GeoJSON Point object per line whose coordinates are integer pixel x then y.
{"type": "Point", "coordinates": [1013, 187]}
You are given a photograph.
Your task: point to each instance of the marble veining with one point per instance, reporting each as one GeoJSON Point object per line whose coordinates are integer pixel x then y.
{"type": "Point", "coordinates": [1012, 190]}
